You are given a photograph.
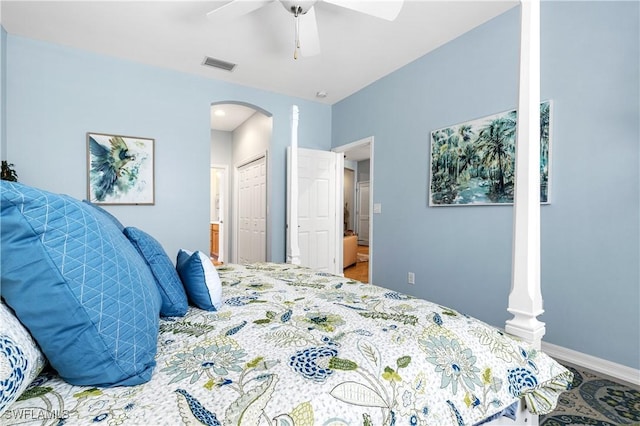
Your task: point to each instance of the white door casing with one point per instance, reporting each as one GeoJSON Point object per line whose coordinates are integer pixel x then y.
{"type": "Point", "coordinates": [367, 142]}
{"type": "Point", "coordinates": [251, 214]}
{"type": "Point", "coordinates": [362, 212]}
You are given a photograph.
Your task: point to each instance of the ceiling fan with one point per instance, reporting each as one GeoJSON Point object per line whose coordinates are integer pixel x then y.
{"type": "Point", "coordinates": [307, 40]}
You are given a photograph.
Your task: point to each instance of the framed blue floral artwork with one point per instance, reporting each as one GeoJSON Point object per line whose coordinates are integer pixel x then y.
{"type": "Point", "coordinates": [120, 169]}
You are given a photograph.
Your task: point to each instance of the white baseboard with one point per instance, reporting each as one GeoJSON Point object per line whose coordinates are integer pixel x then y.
{"type": "Point", "coordinates": [599, 365]}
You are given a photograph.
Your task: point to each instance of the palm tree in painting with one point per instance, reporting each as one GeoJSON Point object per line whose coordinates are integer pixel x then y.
{"type": "Point", "coordinates": [442, 164]}
{"type": "Point", "coordinates": [466, 132]}
{"type": "Point", "coordinates": [544, 121]}
{"type": "Point", "coordinates": [467, 157]}
{"type": "Point", "coordinates": [463, 156]}
{"type": "Point", "coordinates": [544, 150]}
{"type": "Point", "coordinates": [495, 144]}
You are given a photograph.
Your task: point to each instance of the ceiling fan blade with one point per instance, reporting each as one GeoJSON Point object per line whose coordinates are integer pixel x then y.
{"type": "Point", "coordinates": [385, 9]}
{"type": "Point", "coordinates": [235, 9]}
{"type": "Point", "coordinates": [309, 38]}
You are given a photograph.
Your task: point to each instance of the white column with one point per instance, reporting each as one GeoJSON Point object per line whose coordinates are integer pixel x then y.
{"type": "Point", "coordinates": [525, 299]}
{"type": "Point", "coordinates": [293, 247]}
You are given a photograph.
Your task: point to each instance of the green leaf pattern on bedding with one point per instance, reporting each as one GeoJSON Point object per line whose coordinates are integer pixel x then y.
{"type": "Point", "coordinates": [292, 347]}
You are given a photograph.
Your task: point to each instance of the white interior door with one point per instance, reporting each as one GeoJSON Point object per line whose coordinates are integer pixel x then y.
{"type": "Point", "coordinates": [252, 212]}
{"type": "Point", "coordinates": [317, 213]}
{"type": "Point", "coordinates": [362, 211]}
{"type": "Point", "coordinates": [349, 199]}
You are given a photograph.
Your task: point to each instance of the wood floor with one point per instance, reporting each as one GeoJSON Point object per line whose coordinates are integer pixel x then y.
{"type": "Point", "coordinates": [359, 271]}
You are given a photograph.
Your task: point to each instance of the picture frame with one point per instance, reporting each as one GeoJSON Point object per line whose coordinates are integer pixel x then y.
{"type": "Point", "coordinates": [120, 169]}
{"type": "Point", "coordinates": [473, 163]}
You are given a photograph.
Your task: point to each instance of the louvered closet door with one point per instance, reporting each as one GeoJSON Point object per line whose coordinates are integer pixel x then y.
{"type": "Point", "coordinates": [252, 211]}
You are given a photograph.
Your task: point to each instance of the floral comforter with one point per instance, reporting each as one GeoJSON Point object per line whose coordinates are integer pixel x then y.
{"type": "Point", "coordinates": [292, 346]}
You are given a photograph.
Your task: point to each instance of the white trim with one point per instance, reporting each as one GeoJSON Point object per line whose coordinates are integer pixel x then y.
{"type": "Point", "coordinates": [351, 145]}
{"type": "Point", "coordinates": [251, 159]}
{"type": "Point", "coordinates": [338, 260]}
{"type": "Point", "coordinates": [599, 365]}
{"type": "Point", "coordinates": [371, 188]}
{"type": "Point", "coordinates": [223, 251]}
{"type": "Point", "coordinates": [292, 246]}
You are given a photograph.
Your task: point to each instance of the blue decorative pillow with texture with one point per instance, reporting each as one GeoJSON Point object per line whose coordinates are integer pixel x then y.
{"type": "Point", "coordinates": [106, 213]}
{"type": "Point", "coordinates": [200, 279]}
{"type": "Point", "coordinates": [79, 286]}
{"type": "Point", "coordinates": [20, 358]}
{"type": "Point", "coordinates": [174, 299]}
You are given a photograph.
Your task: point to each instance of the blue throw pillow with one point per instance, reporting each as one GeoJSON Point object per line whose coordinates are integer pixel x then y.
{"type": "Point", "coordinates": [78, 285]}
{"type": "Point", "coordinates": [174, 299]}
{"type": "Point", "coordinates": [200, 279]}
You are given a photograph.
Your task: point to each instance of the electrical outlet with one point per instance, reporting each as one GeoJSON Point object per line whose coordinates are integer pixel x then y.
{"type": "Point", "coordinates": [411, 278]}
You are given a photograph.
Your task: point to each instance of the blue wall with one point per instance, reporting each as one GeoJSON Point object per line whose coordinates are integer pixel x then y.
{"type": "Point", "coordinates": [590, 232]}
{"type": "Point", "coordinates": [57, 94]}
{"type": "Point", "coordinates": [3, 89]}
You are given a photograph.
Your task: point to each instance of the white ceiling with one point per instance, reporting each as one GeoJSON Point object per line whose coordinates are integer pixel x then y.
{"type": "Point", "coordinates": [233, 116]}
{"type": "Point", "coordinates": [356, 49]}
{"type": "Point", "coordinates": [358, 153]}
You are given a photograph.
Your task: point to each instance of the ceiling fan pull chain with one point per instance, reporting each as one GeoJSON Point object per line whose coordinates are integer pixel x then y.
{"type": "Point", "coordinates": [297, 40]}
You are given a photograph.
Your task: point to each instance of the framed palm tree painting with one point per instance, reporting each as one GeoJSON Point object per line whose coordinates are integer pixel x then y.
{"type": "Point", "coordinates": [473, 163]}
{"type": "Point", "coordinates": [120, 169]}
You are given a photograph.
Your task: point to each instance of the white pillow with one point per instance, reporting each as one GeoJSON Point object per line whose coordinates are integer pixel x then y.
{"type": "Point", "coordinates": [20, 358]}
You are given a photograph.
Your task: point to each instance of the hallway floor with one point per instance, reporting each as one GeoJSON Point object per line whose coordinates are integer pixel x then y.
{"type": "Point", "coordinates": [359, 271]}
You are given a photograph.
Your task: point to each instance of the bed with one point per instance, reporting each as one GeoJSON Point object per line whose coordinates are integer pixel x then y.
{"type": "Point", "coordinates": [291, 346]}
{"type": "Point", "coordinates": [257, 344]}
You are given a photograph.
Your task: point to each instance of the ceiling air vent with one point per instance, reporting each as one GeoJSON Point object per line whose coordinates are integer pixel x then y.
{"type": "Point", "coordinates": [217, 63]}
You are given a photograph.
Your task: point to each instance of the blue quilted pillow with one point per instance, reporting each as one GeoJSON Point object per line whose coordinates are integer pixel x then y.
{"type": "Point", "coordinates": [174, 299]}
{"type": "Point", "coordinates": [83, 291]}
{"type": "Point", "coordinates": [200, 279]}
{"type": "Point", "coordinates": [106, 213]}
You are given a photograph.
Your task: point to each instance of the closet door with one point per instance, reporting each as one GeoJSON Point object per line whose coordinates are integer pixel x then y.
{"type": "Point", "coordinates": [252, 212]}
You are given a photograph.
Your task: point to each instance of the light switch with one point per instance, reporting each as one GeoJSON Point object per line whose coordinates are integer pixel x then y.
{"type": "Point", "coordinates": [377, 208]}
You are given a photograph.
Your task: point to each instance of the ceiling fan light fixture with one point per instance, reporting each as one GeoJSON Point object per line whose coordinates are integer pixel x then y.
{"type": "Point", "coordinates": [298, 7]}
{"type": "Point", "coordinates": [306, 39]}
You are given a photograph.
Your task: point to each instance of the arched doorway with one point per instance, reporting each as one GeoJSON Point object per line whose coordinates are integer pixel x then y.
{"type": "Point", "coordinates": [240, 140]}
